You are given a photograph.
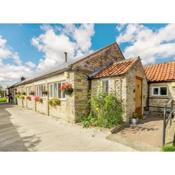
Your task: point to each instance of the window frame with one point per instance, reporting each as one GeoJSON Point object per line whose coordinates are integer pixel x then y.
{"type": "Point", "coordinates": [105, 80]}
{"type": "Point", "coordinates": [159, 87]}
{"type": "Point", "coordinates": [60, 95]}
{"type": "Point", "coordinates": [39, 89]}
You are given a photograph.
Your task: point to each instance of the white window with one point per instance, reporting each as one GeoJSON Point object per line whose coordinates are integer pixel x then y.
{"type": "Point", "coordinates": [105, 85]}
{"type": "Point", "coordinates": [159, 91]}
{"type": "Point", "coordinates": [54, 90]}
{"type": "Point", "coordinates": [28, 90]}
{"type": "Point", "coordinates": [40, 89]}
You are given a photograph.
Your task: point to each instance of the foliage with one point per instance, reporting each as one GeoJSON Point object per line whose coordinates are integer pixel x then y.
{"type": "Point", "coordinates": [29, 98]}
{"type": "Point", "coordinates": [54, 102]}
{"type": "Point", "coordinates": [41, 100]}
{"type": "Point", "coordinates": [3, 100]}
{"type": "Point", "coordinates": [38, 99]}
{"type": "Point", "coordinates": [90, 120]}
{"type": "Point", "coordinates": [23, 93]}
{"type": "Point", "coordinates": [168, 148]}
{"type": "Point", "coordinates": [1, 91]}
{"type": "Point", "coordinates": [20, 96]}
{"type": "Point", "coordinates": [67, 88]}
{"type": "Point", "coordinates": [106, 111]}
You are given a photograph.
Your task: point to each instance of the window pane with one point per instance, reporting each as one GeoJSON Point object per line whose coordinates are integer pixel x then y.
{"type": "Point", "coordinates": [155, 91]}
{"type": "Point", "coordinates": [105, 86]}
{"type": "Point", "coordinates": [55, 90]}
{"type": "Point", "coordinates": [163, 91]}
{"type": "Point", "coordinates": [59, 91]}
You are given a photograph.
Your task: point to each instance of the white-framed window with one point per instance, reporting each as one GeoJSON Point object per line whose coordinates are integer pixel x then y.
{"type": "Point", "coordinates": [54, 90]}
{"type": "Point", "coordinates": [28, 90]}
{"type": "Point", "coordinates": [105, 85]}
{"type": "Point", "coordinates": [39, 89]}
{"type": "Point", "coordinates": [159, 91]}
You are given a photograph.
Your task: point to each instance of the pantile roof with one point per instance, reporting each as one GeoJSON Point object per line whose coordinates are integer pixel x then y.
{"type": "Point", "coordinates": [117, 68]}
{"type": "Point", "coordinates": [160, 72]}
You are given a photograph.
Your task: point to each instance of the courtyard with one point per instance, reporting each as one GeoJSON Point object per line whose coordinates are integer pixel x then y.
{"type": "Point", "coordinates": [26, 130]}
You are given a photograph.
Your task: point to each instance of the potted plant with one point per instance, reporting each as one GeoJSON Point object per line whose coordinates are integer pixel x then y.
{"type": "Point", "coordinates": [29, 98]}
{"type": "Point", "coordinates": [135, 119]}
{"type": "Point", "coordinates": [32, 93]}
{"type": "Point", "coordinates": [44, 92]}
{"type": "Point", "coordinates": [67, 88]}
{"type": "Point", "coordinates": [23, 93]}
{"type": "Point", "coordinates": [54, 102]}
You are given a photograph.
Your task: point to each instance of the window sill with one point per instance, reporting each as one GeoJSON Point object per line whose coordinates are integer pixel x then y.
{"type": "Point", "coordinates": [159, 97]}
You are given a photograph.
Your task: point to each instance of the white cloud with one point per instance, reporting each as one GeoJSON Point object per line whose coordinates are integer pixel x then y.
{"type": "Point", "coordinates": [11, 72]}
{"type": "Point", "coordinates": [53, 42]}
{"type": "Point", "coordinates": [149, 44]}
{"type": "Point", "coordinates": [76, 40]}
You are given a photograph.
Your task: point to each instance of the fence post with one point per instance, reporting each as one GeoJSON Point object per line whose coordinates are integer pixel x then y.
{"type": "Point", "coordinates": [164, 126]}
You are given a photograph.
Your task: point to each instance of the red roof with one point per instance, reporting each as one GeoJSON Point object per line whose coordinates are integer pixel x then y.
{"type": "Point", "coordinates": [117, 68]}
{"type": "Point", "coordinates": [160, 72]}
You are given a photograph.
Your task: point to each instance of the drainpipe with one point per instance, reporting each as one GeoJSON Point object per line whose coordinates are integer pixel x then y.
{"type": "Point", "coordinates": [148, 96]}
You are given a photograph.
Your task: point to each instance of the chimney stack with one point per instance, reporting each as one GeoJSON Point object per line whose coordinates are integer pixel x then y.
{"type": "Point", "coordinates": [65, 54]}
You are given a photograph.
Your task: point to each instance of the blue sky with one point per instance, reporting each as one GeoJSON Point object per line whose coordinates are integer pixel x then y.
{"type": "Point", "coordinates": [29, 48]}
{"type": "Point", "coordinates": [19, 37]}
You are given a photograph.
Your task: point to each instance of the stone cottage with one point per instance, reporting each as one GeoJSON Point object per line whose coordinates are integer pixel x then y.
{"type": "Point", "coordinates": [161, 84]}
{"type": "Point", "coordinates": [106, 67]}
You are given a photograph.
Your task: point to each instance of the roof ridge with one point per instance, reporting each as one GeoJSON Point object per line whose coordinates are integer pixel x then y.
{"type": "Point", "coordinates": [172, 61]}
{"type": "Point", "coordinates": [126, 60]}
{"type": "Point", "coordinates": [98, 50]}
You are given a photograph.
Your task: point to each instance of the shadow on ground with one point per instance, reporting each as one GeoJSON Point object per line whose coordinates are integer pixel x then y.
{"type": "Point", "coordinates": [10, 140]}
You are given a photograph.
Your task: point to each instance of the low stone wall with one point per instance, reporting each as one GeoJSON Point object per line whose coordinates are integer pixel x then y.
{"type": "Point", "coordinates": [42, 107]}
{"type": "Point", "coordinates": [30, 104]}
{"type": "Point", "coordinates": [20, 102]}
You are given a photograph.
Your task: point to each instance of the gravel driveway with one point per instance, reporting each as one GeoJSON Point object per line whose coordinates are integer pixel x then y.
{"type": "Point", "coordinates": [26, 130]}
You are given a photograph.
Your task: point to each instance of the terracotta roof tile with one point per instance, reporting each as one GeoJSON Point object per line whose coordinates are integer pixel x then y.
{"type": "Point", "coordinates": [160, 72]}
{"type": "Point", "coordinates": [117, 68]}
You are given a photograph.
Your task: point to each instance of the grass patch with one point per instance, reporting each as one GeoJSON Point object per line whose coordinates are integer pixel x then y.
{"type": "Point", "coordinates": [3, 99]}
{"type": "Point", "coordinates": [168, 148]}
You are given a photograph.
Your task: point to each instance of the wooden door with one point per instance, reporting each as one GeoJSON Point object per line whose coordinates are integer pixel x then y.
{"type": "Point", "coordinates": [138, 95]}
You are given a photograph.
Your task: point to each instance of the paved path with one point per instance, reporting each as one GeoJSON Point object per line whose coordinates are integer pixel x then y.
{"type": "Point", "coordinates": [25, 130]}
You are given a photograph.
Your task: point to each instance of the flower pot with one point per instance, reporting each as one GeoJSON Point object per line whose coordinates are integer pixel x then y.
{"type": "Point", "coordinates": [69, 91]}
{"type": "Point", "coordinates": [134, 121]}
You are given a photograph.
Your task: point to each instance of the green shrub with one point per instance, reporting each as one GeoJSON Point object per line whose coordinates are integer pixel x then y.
{"type": "Point", "coordinates": [168, 148]}
{"type": "Point", "coordinates": [106, 111]}
{"type": "Point", "coordinates": [3, 100]}
{"type": "Point", "coordinates": [90, 120]}
{"type": "Point", "coordinates": [54, 102]}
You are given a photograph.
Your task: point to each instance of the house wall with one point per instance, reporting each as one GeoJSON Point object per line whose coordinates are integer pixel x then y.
{"type": "Point", "coordinates": [124, 88]}
{"type": "Point", "coordinates": [72, 108]}
{"type": "Point", "coordinates": [157, 103]}
{"type": "Point", "coordinates": [136, 71]}
{"type": "Point", "coordinates": [94, 61]}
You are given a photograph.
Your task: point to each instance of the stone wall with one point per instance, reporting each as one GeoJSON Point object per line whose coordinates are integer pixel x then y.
{"type": "Point", "coordinates": [65, 111]}
{"type": "Point", "coordinates": [117, 86]}
{"type": "Point", "coordinates": [157, 103]}
{"type": "Point", "coordinates": [135, 71]}
{"type": "Point", "coordinates": [81, 90]}
{"type": "Point", "coordinates": [124, 88]}
{"type": "Point", "coordinates": [72, 108]}
{"type": "Point", "coordinates": [100, 58]}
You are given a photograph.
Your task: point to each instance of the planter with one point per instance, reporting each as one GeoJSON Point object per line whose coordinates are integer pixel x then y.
{"type": "Point", "coordinates": [134, 121]}
{"type": "Point", "coordinates": [68, 91]}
